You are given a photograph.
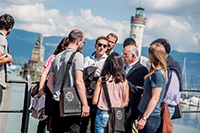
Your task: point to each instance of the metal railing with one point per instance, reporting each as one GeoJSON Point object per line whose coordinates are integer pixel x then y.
{"type": "Point", "coordinates": [27, 100]}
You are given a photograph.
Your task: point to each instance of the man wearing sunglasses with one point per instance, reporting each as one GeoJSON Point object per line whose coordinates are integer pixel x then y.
{"type": "Point", "coordinates": [112, 40]}
{"type": "Point", "coordinates": [92, 67]}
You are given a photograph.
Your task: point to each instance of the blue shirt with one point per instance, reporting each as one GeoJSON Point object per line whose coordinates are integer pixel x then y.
{"type": "Point", "coordinates": [128, 68]}
{"type": "Point", "coordinates": [157, 79]}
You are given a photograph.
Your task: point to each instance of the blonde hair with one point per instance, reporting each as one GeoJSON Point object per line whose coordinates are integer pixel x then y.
{"type": "Point", "coordinates": [158, 59]}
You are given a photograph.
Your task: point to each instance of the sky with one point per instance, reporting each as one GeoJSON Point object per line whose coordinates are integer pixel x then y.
{"type": "Point", "coordinates": [178, 21]}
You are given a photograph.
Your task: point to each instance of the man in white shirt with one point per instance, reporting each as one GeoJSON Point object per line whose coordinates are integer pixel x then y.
{"type": "Point", "coordinates": [99, 56]}
{"type": "Point", "coordinates": [96, 60]}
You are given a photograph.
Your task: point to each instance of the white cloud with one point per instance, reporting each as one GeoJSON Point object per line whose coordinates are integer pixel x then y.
{"type": "Point", "coordinates": [180, 33]}
{"type": "Point", "coordinates": [33, 13]}
{"type": "Point", "coordinates": [35, 18]}
{"type": "Point", "coordinates": [166, 5]}
{"type": "Point", "coordinates": [176, 20]}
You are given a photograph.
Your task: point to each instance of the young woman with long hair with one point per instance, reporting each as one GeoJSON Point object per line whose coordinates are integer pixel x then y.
{"type": "Point", "coordinates": [118, 90]}
{"type": "Point", "coordinates": [154, 90]}
{"type": "Point", "coordinates": [47, 65]}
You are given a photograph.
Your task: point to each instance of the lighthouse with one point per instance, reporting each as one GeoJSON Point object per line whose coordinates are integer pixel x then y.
{"type": "Point", "coordinates": [137, 27]}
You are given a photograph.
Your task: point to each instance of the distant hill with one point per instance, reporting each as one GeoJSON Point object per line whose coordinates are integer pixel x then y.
{"type": "Point", "coordinates": [21, 43]}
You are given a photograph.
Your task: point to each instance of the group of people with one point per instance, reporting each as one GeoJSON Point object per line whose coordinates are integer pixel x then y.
{"type": "Point", "coordinates": [136, 83]}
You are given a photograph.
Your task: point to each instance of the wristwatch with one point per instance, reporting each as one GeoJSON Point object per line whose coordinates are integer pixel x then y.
{"type": "Point", "coordinates": [144, 118]}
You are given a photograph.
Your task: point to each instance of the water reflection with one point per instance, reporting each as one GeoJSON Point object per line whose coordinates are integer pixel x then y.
{"type": "Point", "coordinates": [189, 121]}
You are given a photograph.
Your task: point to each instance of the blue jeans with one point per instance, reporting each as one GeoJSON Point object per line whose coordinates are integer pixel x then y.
{"type": "Point", "coordinates": [101, 121]}
{"type": "Point", "coordinates": [171, 110]}
{"type": "Point", "coordinates": [152, 124]}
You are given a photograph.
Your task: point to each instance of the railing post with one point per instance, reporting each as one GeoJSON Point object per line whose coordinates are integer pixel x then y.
{"type": "Point", "coordinates": [27, 101]}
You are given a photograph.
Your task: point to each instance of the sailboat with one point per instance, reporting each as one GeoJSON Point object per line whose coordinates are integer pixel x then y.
{"type": "Point", "coordinates": [194, 101]}
{"type": "Point", "coordinates": [184, 97]}
{"type": "Point", "coordinates": [187, 98]}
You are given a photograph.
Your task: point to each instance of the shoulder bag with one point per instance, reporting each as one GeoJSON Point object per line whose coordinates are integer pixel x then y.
{"type": "Point", "coordinates": [177, 112]}
{"type": "Point", "coordinates": [70, 104]}
{"type": "Point", "coordinates": [166, 123]}
{"type": "Point", "coordinates": [34, 90]}
{"type": "Point", "coordinates": [117, 114]}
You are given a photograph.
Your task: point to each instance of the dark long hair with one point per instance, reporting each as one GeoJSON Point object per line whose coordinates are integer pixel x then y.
{"type": "Point", "coordinates": [113, 66]}
{"type": "Point", "coordinates": [61, 46]}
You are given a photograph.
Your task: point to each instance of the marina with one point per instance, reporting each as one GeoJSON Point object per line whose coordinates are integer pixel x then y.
{"type": "Point", "coordinates": [14, 114]}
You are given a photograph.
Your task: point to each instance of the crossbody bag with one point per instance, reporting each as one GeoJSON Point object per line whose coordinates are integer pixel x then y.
{"type": "Point", "coordinates": [117, 114]}
{"type": "Point", "coordinates": [70, 104]}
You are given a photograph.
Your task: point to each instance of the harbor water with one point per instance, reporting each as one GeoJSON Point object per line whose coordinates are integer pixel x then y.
{"type": "Point", "coordinates": [189, 123]}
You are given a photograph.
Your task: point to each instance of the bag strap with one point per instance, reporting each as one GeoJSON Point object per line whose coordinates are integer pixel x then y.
{"type": "Point", "coordinates": [66, 74]}
{"type": "Point", "coordinates": [105, 89]}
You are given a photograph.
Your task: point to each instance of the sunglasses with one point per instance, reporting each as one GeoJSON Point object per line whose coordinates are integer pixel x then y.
{"type": "Point", "coordinates": [104, 45]}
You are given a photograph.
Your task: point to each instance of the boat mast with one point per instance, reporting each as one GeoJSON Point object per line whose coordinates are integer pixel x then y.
{"type": "Point", "coordinates": [184, 72]}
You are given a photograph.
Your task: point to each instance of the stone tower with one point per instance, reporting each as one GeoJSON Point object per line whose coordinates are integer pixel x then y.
{"type": "Point", "coordinates": [38, 51]}
{"type": "Point", "coordinates": [35, 65]}
{"type": "Point", "coordinates": [137, 27]}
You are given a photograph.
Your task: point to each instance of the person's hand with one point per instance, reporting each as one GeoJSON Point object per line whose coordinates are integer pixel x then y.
{"type": "Point", "coordinates": [85, 110]}
{"type": "Point", "coordinates": [40, 93]}
{"type": "Point", "coordinates": [141, 124]}
{"type": "Point", "coordinates": [9, 59]}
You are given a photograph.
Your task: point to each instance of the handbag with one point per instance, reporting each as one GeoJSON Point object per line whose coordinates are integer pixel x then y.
{"type": "Point", "coordinates": [34, 90]}
{"type": "Point", "coordinates": [177, 113]}
{"type": "Point", "coordinates": [70, 104]}
{"type": "Point", "coordinates": [117, 114]}
{"type": "Point", "coordinates": [166, 123]}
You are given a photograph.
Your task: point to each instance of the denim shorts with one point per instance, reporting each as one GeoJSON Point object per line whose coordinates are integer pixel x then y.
{"type": "Point", "coordinates": [101, 121]}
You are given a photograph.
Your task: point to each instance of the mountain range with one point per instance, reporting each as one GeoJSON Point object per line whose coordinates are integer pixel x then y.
{"type": "Point", "coordinates": [21, 43]}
